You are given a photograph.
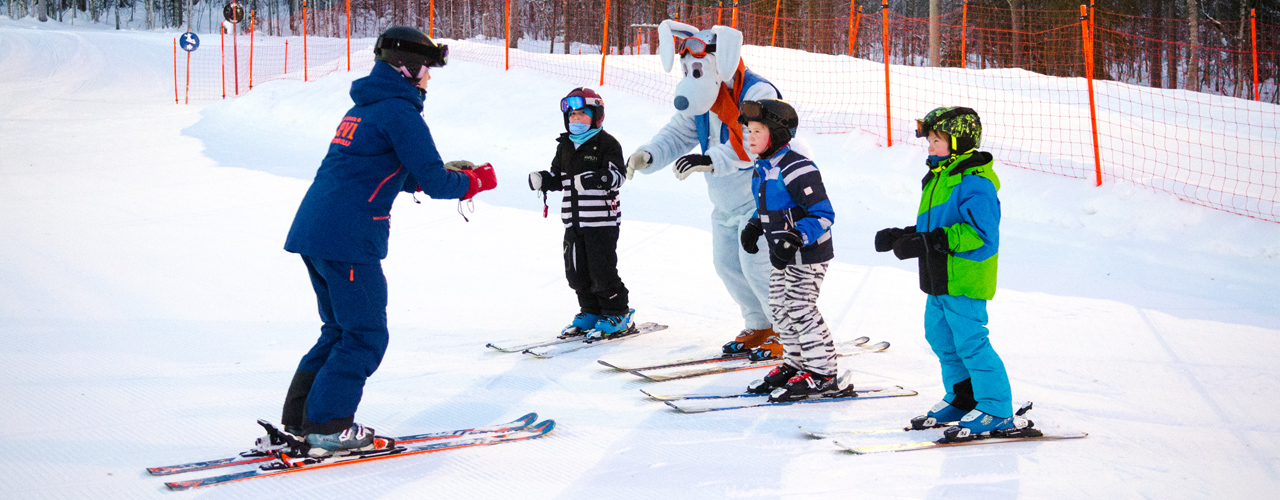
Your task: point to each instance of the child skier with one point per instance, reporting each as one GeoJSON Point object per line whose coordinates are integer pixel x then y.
{"type": "Point", "coordinates": [588, 167]}
{"type": "Point", "coordinates": [381, 147]}
{"type": "Point", "coordinates": [957, 239]}
{"type": "Point", "coordinates": [795, 216]}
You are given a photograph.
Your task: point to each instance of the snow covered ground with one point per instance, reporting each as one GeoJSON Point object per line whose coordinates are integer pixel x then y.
{"type": "Point", "coordinates": [148, 314]}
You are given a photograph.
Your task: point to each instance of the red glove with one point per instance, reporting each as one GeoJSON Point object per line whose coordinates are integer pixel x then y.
{"type": "Point", "coordinates": [482, 179]}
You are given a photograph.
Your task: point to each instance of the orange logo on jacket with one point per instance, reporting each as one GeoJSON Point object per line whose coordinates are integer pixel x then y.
{"type": "Point", "coordinates": [346, 131]}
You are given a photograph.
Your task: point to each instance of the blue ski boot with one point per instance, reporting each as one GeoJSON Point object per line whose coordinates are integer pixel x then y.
{"type": "Point", "coordinates": [613, 326]}
{"type": "Point", "coordinates": [941, 413]}
{"type": "Point", "coordinates": [582, 322]}
{"type": "Point", "coordinates": [979, 425]}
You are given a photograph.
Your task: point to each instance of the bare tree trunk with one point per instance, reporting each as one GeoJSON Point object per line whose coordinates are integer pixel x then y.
{"type": "Point", "coordinates": [935, 35]}
{"type": "Point", "coordinates": [516, 22]}
{"type": "Point", "coordinates": [1171, 56]}
{"type": "Point", "coordinates": [1154, 64]}
{"type": "Point", "coordinates": [566, 26]}
{"type": "Point", "coordinates": [1015, 17]}
{"type": "Point", "coordinates": [1193, 41]}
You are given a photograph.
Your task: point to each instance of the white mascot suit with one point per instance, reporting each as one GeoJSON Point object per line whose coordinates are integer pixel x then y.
{"type": "Point", "coordinates": [715, 83]}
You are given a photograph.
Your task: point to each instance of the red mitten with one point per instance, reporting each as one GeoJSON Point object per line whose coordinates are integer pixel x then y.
{"type": "Point", "coordinates": [482, 179]}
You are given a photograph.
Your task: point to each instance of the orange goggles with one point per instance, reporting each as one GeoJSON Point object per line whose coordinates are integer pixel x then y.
{"type": "Point", "coordinates": [694, 47]}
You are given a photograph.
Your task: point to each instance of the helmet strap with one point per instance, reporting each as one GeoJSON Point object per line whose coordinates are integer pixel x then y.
{"type": "Point", "coordinates": [422, 71]}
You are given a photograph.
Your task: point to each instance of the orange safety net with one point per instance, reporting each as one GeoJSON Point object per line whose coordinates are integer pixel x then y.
{"type": "Point", "coordinates": [1177, 117]}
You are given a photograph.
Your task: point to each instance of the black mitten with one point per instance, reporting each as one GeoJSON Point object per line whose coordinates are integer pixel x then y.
{"type": "Point", "coordinates": [751, 236]}
{"type": "Point", "coordinates": [781, 254]}
{"type": "Point", "coordinates": [885, 238]}
{"type": "Point", "coordinates": [914, 245]}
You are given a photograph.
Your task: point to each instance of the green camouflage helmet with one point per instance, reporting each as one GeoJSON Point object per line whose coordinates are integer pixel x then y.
{"type": "Point", "coordinates": [962, 124]}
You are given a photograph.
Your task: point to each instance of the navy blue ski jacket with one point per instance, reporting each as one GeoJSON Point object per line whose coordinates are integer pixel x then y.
{"type": "Point", "coordinates": [790, 195]}
{"type": "Point", "coordinates": [381, 142]}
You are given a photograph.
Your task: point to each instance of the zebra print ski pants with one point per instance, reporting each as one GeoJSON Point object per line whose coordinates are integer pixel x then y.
{"type": "Point", "coordinates": [793, 299]}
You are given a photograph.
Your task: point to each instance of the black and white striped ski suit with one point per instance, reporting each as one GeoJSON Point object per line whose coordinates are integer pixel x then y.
{"type": "Point", "coordinates": [793, 298]}
{"type": "Point", "coordinates": [592, 218]}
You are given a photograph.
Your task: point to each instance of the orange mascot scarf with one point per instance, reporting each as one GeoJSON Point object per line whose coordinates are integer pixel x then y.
{"type": "Point", "coordinates": [726, 109]}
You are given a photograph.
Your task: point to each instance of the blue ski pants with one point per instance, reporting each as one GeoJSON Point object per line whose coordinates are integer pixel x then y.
{"type": "Point", "coordinates": [353, 307]}
{"type": "Point", "coordinates": [956, 328]}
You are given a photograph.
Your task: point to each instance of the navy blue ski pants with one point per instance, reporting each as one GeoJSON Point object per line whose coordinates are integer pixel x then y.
{"type": "Point", "coordinates": [353, 306]}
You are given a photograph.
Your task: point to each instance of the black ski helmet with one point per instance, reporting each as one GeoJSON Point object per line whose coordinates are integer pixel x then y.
{"type": "Point", "coordinates": [410, 51]}
{"type": "Point", "coordinates": [777, 115]}
{"type": "Point", "coordinates": [579, 98]}
{"type": "Point", "coordinates": [962, 124]}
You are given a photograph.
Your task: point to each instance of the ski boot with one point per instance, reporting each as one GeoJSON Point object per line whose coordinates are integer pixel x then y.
{"type": "Point", "coordinates": [770, 349]}
{"type": "Point", "coordinates": [805, 384]}
{"type": "Point", "coordinates": [979, 425]}
{"type": "Point", "coordinates": [775, 379]}
{"type": "Point", "coordinates": [941, 415]}
{"type": "Point", "coordinates": [277, 440]}
{"type": "Point", "coordinates": [582, 322]}
{"type": "Point", "coordinates": [613, 326]}
{"type": "Point", "coordinates": [356, 438]}
{"type": "Point", "coordinates": [747, 340]}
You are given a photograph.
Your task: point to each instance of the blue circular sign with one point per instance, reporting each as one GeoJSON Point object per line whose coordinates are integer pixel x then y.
{"type": "Point", "coordinates": [189, 41]}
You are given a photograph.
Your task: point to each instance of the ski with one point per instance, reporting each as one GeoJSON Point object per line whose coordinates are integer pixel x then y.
{"type": "Point", "coordinates": [287, 464]}
{"type": "Point", "coordinates": [535, 345]}
{"type": "Point", "coordinates": [924, 445]}
{"type": "Point", "coordinates": [583, 343]}
{"type": "Point", "coordinates": [739, 365]}
{"type": "Point", "coordinates": [706, 359]}
{"type": "Point", "coordinates": [893, 430]}
{"type": "Point", "coordinates": [736, 395]}
{"type": "Point", "coordinates": [257, 455]}
{"type": "Point", "coordinates": [705, 405]}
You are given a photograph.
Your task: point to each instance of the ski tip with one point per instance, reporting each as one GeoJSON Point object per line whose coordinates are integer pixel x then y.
{"type": "Point", "coordinates": [543, 427]}
{"type": "Point", "coordinates": [861, 340]}
{"type": "Point", "coordinates": [877, 347]}
{"type": "Point", "coordinates": [528, 418]}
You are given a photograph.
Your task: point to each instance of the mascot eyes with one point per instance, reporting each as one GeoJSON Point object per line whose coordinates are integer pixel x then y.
{"type": "Point", "coordinates": [697, 70]}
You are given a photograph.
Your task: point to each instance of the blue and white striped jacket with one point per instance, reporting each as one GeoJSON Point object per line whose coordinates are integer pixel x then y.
{"type": "Point", "coordinates": [789, 194]}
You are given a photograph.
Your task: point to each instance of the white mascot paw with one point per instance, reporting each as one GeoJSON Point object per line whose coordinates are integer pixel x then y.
{"type": "Point", "coordinates": [639, 160]}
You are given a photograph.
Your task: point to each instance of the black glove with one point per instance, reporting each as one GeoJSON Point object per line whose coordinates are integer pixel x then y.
{"type": "Point", "coordinates": [915, 245]}
{"type": "Point", "coordinates": [594, 180]}
{"type": "Point", "coordinates": [789, 243]}
{"type": "Point", "coordinates": [689, 164]}
{"type": "Point", "coordinates": [751, 236]}
{"type": "Point", "coordinates": [885, 238]}
{"type": "Point", "coordinates": [541, 181]}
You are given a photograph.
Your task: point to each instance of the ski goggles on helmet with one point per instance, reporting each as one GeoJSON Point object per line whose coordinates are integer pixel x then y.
{"type": "Point", "coordinates": [754, 111]}
{"type": "Point", "coordinates": [433, 55]}
{"type": "Point", "coordinates": [579, 102]}
{"type": "Point", "coordinates": [923, 128]}
{"type": "Point", "coordinates": [695, 47]}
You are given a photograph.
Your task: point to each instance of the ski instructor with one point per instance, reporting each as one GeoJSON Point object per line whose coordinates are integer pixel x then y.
{"type": "Point", "coordinates": [381, 148]}
{"type": "Point", "coordinates": [715, 83]}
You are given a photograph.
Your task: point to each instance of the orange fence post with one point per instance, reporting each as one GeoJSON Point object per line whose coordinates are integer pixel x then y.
{"type": "Point", "coordinates": [853, 39]}
{"type": "Point", "coordinates": [175, 70]}
{"type": "Point", "coordinates": [604, 42]}
{"type": "Point", "coordinates": [222, 46]}
{"type": "Point", "coordinates": [305, 69]}
{"type": "Point", "coordinates": [964, 32]}
{"type": "Point", "coordinates": [348, 35]}
{"type": "Point", "coordinates": [286, 57]}
{"type": "Point", "coordinates": [235, 53]}
{"type": "Point", "coordinates": [252, 18]}
{"type": "Point", "coordinates": [888, 111]}
{"type": "Point", "coordinates": [506, 49]}
{"type": "Point", "coordinates": [431, 19]}
{"type": "Point", "coordinates": [1086, 34]}
{"type": "Point", "coordinates": [186, 92]}
{"type": "Point", "coordinates": [773, 41]}
{"type": "Point", "coordinates": [719, 11]}
{"type": "Point", "coordinates": [1253, 26]}
{"type": "Point", "coordinates": [735, 14]}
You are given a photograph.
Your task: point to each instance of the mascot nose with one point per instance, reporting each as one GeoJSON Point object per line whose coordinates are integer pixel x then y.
{"type": "Point", "coordinates": [682, 102]}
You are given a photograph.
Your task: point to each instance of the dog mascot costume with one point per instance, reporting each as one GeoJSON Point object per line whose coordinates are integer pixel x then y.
{"type": "Point", "coordinates": [715, 82]}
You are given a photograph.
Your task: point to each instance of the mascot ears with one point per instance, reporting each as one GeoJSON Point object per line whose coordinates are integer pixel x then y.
{"type": "Point", "coordinates": [667, 31]}
{"type": "Point", "coordinates": [728, 51]}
